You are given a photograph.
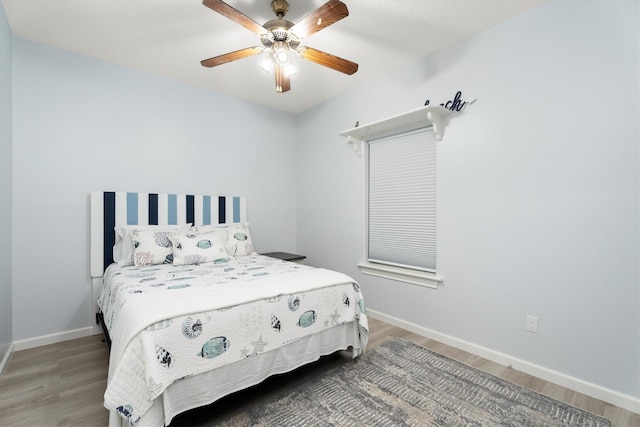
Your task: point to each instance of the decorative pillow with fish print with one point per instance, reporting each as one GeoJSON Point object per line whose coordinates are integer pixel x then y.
{"type": "Point", "coordinates": [197, 248]}
{"type": "Point", "coordinates": [123, 248]}
{"type": "Point", "coordinates": [152, 247]}
{"type": "Point", "coordinates": [239, 241]}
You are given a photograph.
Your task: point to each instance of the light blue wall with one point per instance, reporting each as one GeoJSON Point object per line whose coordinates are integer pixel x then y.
{"type": "Point", "coordinates": [538, 182]}
{"type": "Point", "coordinates": [6, 37]}
{"type": "Point", "coordinates": [81, 125]}
{"type": "Point", "coordinates": [538, 190]}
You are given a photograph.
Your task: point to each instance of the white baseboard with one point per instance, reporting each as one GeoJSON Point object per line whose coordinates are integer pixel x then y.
{"type": "Point", "coordinates": [613, 397]}
{"type": "Point", "coordinates": [6, 358]}
{"type": "Point", "coordinates": [52, 338]}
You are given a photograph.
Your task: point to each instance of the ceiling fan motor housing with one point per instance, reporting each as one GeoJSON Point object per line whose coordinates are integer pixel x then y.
{"type": "Point", "coordinates": [279, 32]}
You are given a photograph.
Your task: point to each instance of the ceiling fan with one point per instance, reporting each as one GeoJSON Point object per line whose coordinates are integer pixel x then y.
{"type": "Point", "coordinates": [282, 38]}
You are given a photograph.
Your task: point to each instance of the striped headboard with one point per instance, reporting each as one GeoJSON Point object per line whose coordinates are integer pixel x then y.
{"type": "Point", "coordinates": [110, 209]}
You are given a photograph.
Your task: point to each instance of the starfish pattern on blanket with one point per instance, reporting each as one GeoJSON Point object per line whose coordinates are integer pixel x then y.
{"type": "Point", "coordinates": [258, 346]}
{"type": "Point", "coordinates": [334, 318]}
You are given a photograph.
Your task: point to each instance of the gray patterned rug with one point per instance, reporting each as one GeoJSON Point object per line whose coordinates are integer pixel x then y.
{"type": "Point", "coordinates": [402, 384]}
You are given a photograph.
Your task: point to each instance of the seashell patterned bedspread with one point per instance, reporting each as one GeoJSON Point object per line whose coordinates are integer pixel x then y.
{"type": "Point", "coordinates": [169, 322]}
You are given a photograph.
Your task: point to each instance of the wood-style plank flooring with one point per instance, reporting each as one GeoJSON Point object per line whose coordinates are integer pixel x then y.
{"type": "Point", "coordinates": [63, 384]}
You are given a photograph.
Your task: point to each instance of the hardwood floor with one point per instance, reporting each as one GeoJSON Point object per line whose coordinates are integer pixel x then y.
{"type": "Point", "coordinates": [56, 385]}
{"type": "Point", "coordinates": [63, 384]}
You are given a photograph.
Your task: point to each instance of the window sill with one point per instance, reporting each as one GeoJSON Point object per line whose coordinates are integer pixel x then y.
{"type": "Point", "coordinates": [415, 277]}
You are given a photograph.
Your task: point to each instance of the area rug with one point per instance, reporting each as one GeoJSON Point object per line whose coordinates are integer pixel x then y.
{"type": "Point", "coordinates": [402, 384]}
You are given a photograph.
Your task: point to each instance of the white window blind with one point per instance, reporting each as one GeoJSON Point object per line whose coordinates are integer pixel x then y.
{"type": "Point", "coordinates": [402, 200]}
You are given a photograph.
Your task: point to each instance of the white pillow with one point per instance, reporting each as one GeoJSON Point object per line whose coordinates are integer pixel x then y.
{"type": "Point", "coordinates": [123, 247]}
{"type": "Point", "coordinates": [239, 241]}
{"type": "Point", "coordinates": [191, 248]}
{"type": "Point", "coordinates": [152, 247]}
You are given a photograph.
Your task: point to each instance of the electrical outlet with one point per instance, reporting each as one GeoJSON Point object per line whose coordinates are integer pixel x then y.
{"type": "Point", "coordinates": [532, 324]}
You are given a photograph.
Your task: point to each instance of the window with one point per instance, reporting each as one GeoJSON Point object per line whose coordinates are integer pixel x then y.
{"type": "Point", "coordinates": [400, 165]}
{"type": "Point", "coordinates": [401, 207]}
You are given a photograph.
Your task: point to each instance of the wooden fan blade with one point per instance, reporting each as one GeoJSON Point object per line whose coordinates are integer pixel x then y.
{"type": "Point", "coordinates": [283, 83]}
{"type": "Point", "coordinates": [327, 60]}
{"type": "Point", "coordinates": [327, 14]}
{"type": "Point", "coordinates": [225, 10]}
{"type": "Point", "coordinates": [231, 56]}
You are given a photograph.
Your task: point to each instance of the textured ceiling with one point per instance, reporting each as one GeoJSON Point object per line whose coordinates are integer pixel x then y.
{"type": "Point", "coordinates": [171, 37]}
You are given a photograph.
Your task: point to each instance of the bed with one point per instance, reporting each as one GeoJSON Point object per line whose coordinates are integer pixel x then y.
{"type": "Point", "coordinates": [192, 313]}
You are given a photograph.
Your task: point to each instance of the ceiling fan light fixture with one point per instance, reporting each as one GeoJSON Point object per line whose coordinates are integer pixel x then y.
{"type": "Point", "coordinates": [290, 70]}
{"type": "Point", "coordinates": [271, 60]}
{"type": "Point", "coordinates": [282, 54]}
{"type": "Point", "coordinates": [267, 64]}
{"type": "Point", "coordinates": [282, 57]}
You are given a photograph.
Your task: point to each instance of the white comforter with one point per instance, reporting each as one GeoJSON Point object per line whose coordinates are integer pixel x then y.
{"type": "Point", "coordinates": [170, 322]}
